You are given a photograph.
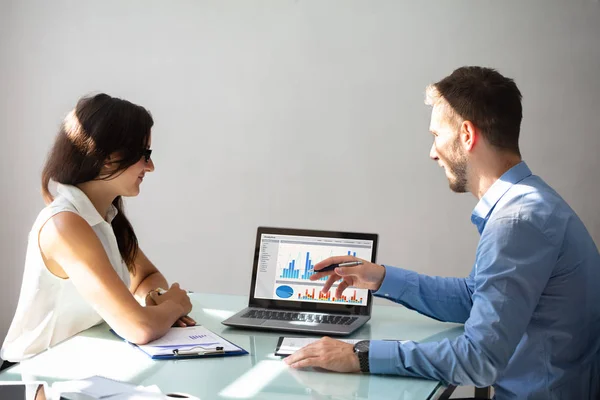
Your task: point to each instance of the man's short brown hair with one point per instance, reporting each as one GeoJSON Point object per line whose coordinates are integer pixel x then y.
{"type": "Point", "coordinates": [489, 100]}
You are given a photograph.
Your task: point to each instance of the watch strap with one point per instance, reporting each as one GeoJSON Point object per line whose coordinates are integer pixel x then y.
{"type": "Point", "coordinates": [363, 356]}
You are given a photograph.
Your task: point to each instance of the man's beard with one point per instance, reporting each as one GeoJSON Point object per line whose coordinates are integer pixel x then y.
{"type": "Point", "coordinates": [457, 166]}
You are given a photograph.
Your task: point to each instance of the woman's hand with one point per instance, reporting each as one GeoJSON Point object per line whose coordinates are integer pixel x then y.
{"type": "Point", "coordinates": [177, 295]}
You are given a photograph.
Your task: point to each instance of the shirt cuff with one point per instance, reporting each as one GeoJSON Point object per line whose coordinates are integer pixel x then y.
{"type": "Point", "coordinates": [384, 357]}
{"type": "Point", "coordinates": [395, 282]}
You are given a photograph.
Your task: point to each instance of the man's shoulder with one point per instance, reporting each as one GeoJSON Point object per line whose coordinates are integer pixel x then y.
{"type": "Point", "coordinates": [534, 202]}
{"type": "Point", "coordinates": [531, 196]}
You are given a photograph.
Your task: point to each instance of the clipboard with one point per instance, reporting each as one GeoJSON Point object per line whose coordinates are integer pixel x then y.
{"type": "Point", "coordinates": [190, 342]}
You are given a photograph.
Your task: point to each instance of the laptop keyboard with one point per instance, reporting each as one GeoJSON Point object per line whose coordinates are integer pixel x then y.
{"type": "Point", "coordinates": [296, 316]}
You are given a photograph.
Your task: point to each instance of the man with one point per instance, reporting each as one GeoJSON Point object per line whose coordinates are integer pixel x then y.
{"type": "Point", "coordinates": [531, 304]}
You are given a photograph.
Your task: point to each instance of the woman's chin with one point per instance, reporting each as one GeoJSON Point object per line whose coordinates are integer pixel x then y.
{"type": "Point", "coordinates": [132, 192]}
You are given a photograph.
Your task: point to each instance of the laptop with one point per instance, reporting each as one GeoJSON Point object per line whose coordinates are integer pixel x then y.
{"type": "Point", "coordinates": [282, 297]}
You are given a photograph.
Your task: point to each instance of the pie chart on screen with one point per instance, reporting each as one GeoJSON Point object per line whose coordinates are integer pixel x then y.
{"type": "Point", "coordinates": [284, 291]}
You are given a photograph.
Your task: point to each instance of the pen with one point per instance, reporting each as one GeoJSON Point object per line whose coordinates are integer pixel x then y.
{"type": "Point", "coordinates": [162, 291]}
{"type": "Point", "coordinates": [334, 266]}
{"type": "Point", "coordinates": [191, 351]}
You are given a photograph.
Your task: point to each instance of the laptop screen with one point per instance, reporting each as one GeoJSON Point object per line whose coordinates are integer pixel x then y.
{"type": "Point", "coordinates": [285, 265]}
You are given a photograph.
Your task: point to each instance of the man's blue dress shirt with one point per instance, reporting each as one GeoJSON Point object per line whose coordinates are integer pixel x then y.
{"type": "Point", "coordinates": [530, 306]}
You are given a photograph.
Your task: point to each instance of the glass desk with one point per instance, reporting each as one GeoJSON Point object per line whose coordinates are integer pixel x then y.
{"type": "Point", "coordinates": [258, 375]}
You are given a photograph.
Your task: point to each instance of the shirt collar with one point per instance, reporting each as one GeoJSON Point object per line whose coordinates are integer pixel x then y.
{"type": "Point", "coordinates": [84, 206]}
{"type": "Point", "coordinates": [484, 207]}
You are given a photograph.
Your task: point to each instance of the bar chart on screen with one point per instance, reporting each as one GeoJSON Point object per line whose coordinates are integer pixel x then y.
{"type": "Point", "coordinates": [296, 262]}
{"type": "Point", "coordinates": [292, 270]}
{"type": "Point", "coordinates": [314, 293]}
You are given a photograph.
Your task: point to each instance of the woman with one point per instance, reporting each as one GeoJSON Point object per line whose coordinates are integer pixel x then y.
{"type": "Point", "coordinates": [83, 263]}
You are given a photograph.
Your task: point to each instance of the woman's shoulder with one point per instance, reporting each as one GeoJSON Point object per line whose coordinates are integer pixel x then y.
{"type": "Point", "coordinates": [58, 206]}
{"type": "Point", "coordinates": [63, 232]}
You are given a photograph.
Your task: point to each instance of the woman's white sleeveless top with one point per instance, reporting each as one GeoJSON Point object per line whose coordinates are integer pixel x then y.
{"type": "Point", "coordinates": [50, 309]}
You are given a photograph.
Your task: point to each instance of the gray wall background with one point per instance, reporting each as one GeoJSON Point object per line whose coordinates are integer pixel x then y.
{"type": "Point", "coordinates": [292, 113]}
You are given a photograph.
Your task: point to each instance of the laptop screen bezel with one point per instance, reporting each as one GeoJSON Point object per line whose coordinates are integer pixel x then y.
{"type": "Point", "coordinates": [307, 306]}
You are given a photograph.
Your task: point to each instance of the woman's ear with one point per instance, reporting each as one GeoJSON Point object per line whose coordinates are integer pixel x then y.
{"type": "Point", "coordinates": [109, 165]}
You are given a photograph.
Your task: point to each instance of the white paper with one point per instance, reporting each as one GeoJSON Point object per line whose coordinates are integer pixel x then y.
{"type": "Point", "coordinates": [289, 345]}
{"type": "Point", "coordinates": [191, 335]}
{"type": "Point", "coordinates": [141, 393]}
{"type": "Point", "coordinates": [192, 338]}
{"type": "Point", "coordinates": [102, 387]}
{"type": "Point", "coordinates": [98, 387]}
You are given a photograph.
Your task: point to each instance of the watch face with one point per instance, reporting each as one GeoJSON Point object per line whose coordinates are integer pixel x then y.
{"type": "Point", "coordinates": [362, 346]}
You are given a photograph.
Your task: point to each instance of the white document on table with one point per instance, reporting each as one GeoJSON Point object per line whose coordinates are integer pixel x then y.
{"type": "Point", "coordinates": [99, 387]}
{"type": "Point", "coordinates": [191, 337]}
{"type": "Point", "coordinates": [289, 345]}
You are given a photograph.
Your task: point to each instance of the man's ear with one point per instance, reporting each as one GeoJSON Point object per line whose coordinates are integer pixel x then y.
{"type": "Point", "coordinates": [469, 135]}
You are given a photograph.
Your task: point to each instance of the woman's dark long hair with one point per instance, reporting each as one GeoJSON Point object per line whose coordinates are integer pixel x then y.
{"type": "Point", "coordinates": [99, 126]}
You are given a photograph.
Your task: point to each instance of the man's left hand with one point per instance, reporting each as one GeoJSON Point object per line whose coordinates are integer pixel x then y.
{"type": "Point", "coordinates": [327, 353]}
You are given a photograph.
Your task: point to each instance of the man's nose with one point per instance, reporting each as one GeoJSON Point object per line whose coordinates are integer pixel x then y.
{"type": "Point", "coordinates": [433, 153]}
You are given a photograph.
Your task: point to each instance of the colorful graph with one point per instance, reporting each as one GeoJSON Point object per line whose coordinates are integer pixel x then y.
{"type": "Point", "coordinates": [313, 293]}
{"type": "Point", "coordinates": [284, 291]}
{"type": "Point", "coordinates": [327, 297]}
{"type": "Point", "coordinates": [292, 271]}
{"type": "Point", "coordinates": [195, 337]}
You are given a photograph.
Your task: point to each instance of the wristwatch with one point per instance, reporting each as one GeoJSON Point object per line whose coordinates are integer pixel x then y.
{"type": "Point", "coordinates": [362, 351]}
